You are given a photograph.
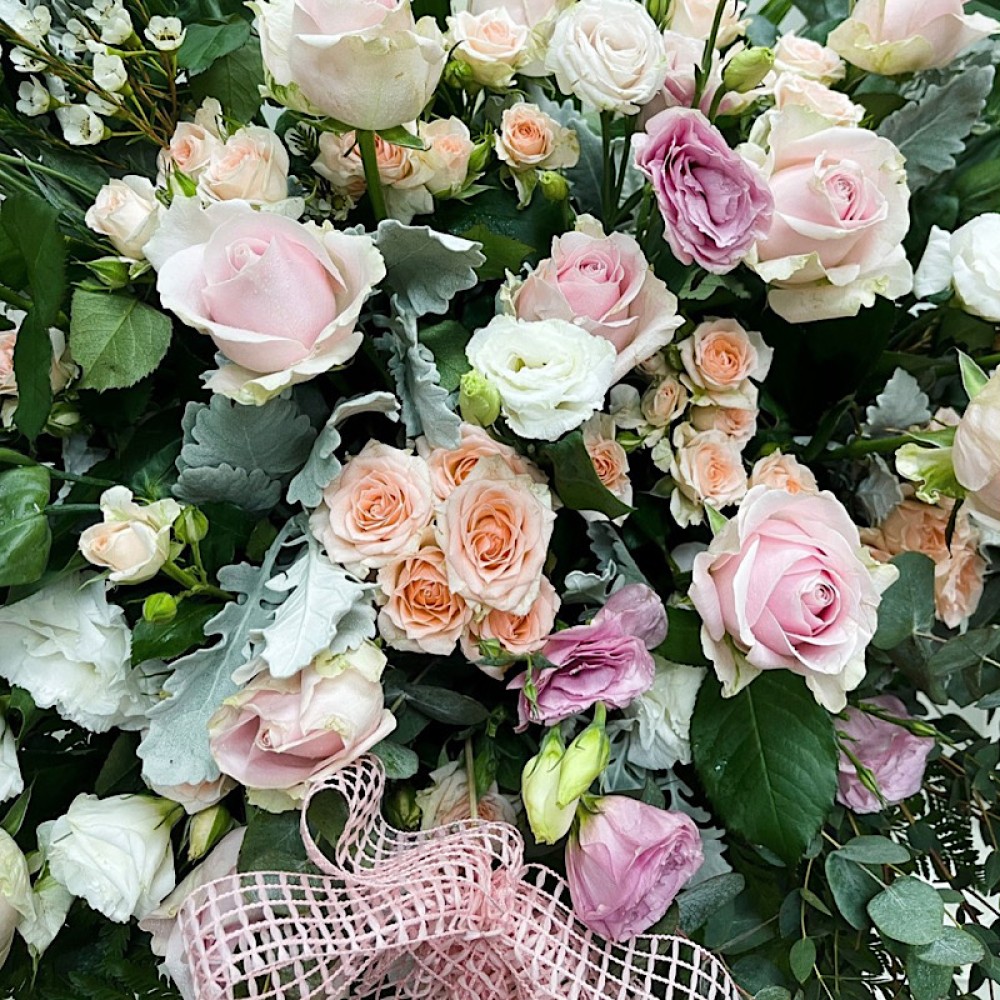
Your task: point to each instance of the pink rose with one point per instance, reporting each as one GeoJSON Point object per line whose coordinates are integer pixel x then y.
{"type": "Point", "coordinates": [664, 401]}
{"type": "Point", "coordinates": [422, 614]}
{"type": "Point", "coordinates": [604, 284]}
{"type": "Point", "coordinates": [783, 472]}
{"type": "Point", "coordinates": [895, 756]}
{"type": "Point", "coordinates": [375, 509]}
{"type": "Point", "coordinates": [280, 734]}
{"type": "Point", "coordinates": [530, 139]}
{"type": "Point", "coordinates": [841, 212]}
{"type": "Point", "coordinates": [447, 157]}
{"type": "Point", "coordinates": [608, 457]}
{"type": "Point", "coordinates": [516, 634]}
{"type": "Point", "coordinates": [626, 862]}
{"type": "Point", "coordinates": [890, 37]}
{"type": "Point", "coordinates": [280, 299]}
{"type": "Point", "coordinates": [714, 204]}
{"type": "Point", "coordinates": [787, 585]}
{"type": "Point", "coordinates": [495, 530]}
{"type": "Point", "coordinates": [447, 800]}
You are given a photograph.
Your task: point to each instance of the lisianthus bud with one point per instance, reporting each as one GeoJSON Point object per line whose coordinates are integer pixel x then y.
{"type": "Point", "coordinates": [584, 761]}
{"type": "Point", "coordinates": [64, 419]}
{"type": "Point", "coordinates": [191, 526]}
{"type": "Point", "coordinates": [158, 609]}
{"type": "Point", "coordinates": [478, 399]}
{"type": "Point", "coordinates": [553, 185]}
{"type": "Point", "coordinates": [206, 829]}
{"type": "Point", "coordinates": [402, 810]}
{"type": "Point", "coordinates": [748, 68]}
{"type": "Point", "coordinates": [932, 469]}
{"type": "Point", "coordinates": [458, 74]}
{"type": "Point", "coordinates": [549, 822]}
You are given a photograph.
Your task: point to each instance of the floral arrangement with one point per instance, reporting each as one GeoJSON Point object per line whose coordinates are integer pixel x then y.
{"type": "Point", "coordinates": [590, 408]}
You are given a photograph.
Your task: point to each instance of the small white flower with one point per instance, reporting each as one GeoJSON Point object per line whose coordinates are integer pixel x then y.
{"type": "Point", "coordinates": [81, 126]}
{"type": "Point", "coordinates": [117, 27]}
{"type": "Point", "coordinates": [77, 29]}
{"type": "Point", "coordinates": [69, 46]}
{"type": "Point", "coordinates": [33, 25]}
{"type": "Point", "coordinates": [11, 782]}
{"type": "Point", "coordinates": [99, 10]}
{"type": "Point", "coordinates": [101, 106]}
{"type": "Point", "coordinates": [25, 62]}
{"type": "Point", "coordinates": [33, 98]}
{"type": "Point", "coordinates": [110, 73]}
{"type": "Point", "coordinates": [165, 33]}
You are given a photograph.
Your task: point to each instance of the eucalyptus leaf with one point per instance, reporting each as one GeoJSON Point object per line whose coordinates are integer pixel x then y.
{"type": "Point", "coordinates": [909, 911]}
{"type": "Point", "coordinates": [953, 947]}
{"type": "Point", "coordinates": [699, 902]}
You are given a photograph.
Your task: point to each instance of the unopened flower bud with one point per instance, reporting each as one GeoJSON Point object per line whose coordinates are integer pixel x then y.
{"type": "Point", "coordinates": [659, 11]}
{"type": "Point", "coordinates": [553, 185]}
{"type": "Point", "coordinates": [206, 829]}
{"type": "Point", "coordinates": [191, 526]}
{"type": "Point", "coordinates": [158, 609]}
{"type": "Point", "coordinates": [478, 399]}
{"type": "Point", "coordinates": [459, 75]}
{"type": "Point", "coordinates": [64, 419]}
{"type": "Point", "coordinates": [402, 810]}
{"type": "Point", "coordinates": [932, 469]}
{"type": "Point", "coordinates": [480, 156]}
{"type": "Point", "coordinates": [584, 761]}
{"type": "Point", "coordinates": [747, 69]}
{"type": "Point", "coordinates": [549, 822]}
{"type": "Point", "coordinates": [111, 271]}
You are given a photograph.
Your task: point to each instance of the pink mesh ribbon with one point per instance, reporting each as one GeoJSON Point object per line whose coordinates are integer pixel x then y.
{"type": "Point", "coordinates": [448, 914]}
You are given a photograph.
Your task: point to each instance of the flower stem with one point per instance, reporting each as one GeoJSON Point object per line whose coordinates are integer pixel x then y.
{"type": "Point", "coordinates": [703, 72]}
{"type": "Point", "coordinates": [866, 446]}
{"type": "Point", "coordinates": [470, 777]}
{"type": "Point", "coordinates": [609, 206]}
{"type": "Point", "coordinates": [369, 159]}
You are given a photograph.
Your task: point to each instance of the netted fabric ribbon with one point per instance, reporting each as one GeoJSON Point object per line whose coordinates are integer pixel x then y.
{"type": "Point", "coordinates": [448, 914]}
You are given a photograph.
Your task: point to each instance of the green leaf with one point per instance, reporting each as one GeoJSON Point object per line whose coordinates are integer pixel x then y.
{"type": "Point", "coordinates": [273, 843]}
{"type": "Point", "coordinates": [503, 253]}
{"type": "Point", "coordinates": [31, 226]}
{"type": "Point", "coordinates": [853, 886]}
{"type": "Point", "coordinates": [774, 739]}
{"type": "Point", "coordinates": [116, 339]}
{"type": "Point", "coordinates": [952, 948]}
{"type": "Point", "coordinates": [399, 135]}
{"type": "Point", "coordinates": [974, 379]}
{"type": "Point", "coordinates": [445, 705]}
{"type": "Point", "coordinates": [931, 132]}
{"type": "Point", "coordinates": [120, 765]}
{"type": "Point", "coordinates": [167, 640]}
{"type": "Point", "coordinates": [926, 981]}
{"type": "Point", "coordinates": [447, 341]}
{"type": "Point", "coordinates": [874, 851]}
{"type": "Point", "coordinates": [204, 43]}
{"type": "Point", "coordinates": [400, 762]}
{"type": "Point", "coordinates": [700, 902]}
{"type": "Point", "coordinates": [576, 480]}
{"type": "Point", "coordinates": [234, 80]}
{"type": "Point", "coordinates": [14, 817]}
{"type": "Point", "coordinates": [908, 605]}
{"type": "Point", "coordinates": [802, 958]}
{"type": "Point", "coordinates": [25, 535]}
{"type": "Point", "coordinates": [909, 910]}
{"type": "Point", "coordinates": [683, 642]}
{"type": "Point", "coordinates": [969, 650]}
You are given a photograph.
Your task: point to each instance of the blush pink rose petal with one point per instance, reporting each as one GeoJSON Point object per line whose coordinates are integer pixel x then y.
{"type": "Point", "coordinates": [280, 299]}
{"type": "Point", "coordinates": [714, 204]}
{"type": "Point", "coordinates": [787, 585]}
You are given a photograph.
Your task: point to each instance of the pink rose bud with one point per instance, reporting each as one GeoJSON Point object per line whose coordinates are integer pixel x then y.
{"type": "Point", "coordinates": [714, 204]}
{"type": "Point", "coordinates": [626, 863]}
{"type": "Point", "coordinates": [894, 756]}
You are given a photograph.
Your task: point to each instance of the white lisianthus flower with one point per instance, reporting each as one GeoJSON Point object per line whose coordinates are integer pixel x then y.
{"type": "Point", "coordinates": [15, 892]}
{"type": "Point", "coordinates": [109, 72]}
{"type": "Point", "coordinates": [662, 737]}
{"type": "Point", "coordinates": [11, 782]}
{"type": "Point", "coordinates": [81, 126]}
{"type": "Point", "coordinates": [609, 53]}
{"type": "Point", "coordinates": [70, 650]}
{"type": "Point", "coordinates": [115, 853]}
{"type": "Point", "coordinates": [33, 98]}
{"type": "Point", "coordinates": [132, 541]}
{"type": "Point", "coordinates": [551, 374]}
{"type": "Point", "coordinates": [967, 260]}
{"type": "Point", "coordinates": [165, 33]}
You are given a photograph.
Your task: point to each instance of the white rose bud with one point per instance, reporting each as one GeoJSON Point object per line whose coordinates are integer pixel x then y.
{"type": "Point", "coordinates": [115, 853]}
{"type": "Point", "coordinates": [609, 53]}
{"type": "Point", "coordinates": [133, 541]}
{"type": "Point", "coordinates": [492, 44]}
{"type": "Point", "coordinates": [127, 212]}
{"type": "Point", "coordinates": [165, 33]}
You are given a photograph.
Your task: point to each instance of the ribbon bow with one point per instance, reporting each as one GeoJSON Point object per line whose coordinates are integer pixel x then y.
{"type": "Point", "coordinates": [446, 914]}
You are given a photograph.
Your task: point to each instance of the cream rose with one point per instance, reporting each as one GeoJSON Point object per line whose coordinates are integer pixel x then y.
{"type": "Point", "coordinates": [530, 139]}
{"type": "Point", "coordinates": [132, 541]}
{"type": "Point", "coordinates": [280, 299]}
{"type": "Point", "coordinates": [252, 165]}
{"type": "Point", "coordinates": [783, 472]}
{"type": "Point", "coordinates": [127, 212]}
{"type": "Point", "coordinates": [422, 614]}
{"type": "Point", "coordinates": [890, 37]}
{"type": "Point", "coordinates": [376, 508]}
{"type": "Point", "coordinates": [967, 260]}
{"type": "Point", "coordinates": [664, 401]}
{"type": "Point", "coordinates": [841, 210]}
{"type": "Point", "coordinates": [694, 18]}
{"type": "Point", "coordinates": [735, 422]}
{"type": "Point", "coordinates": [808, 59]}
{"type": "Point", "coordinates": [707, 468]}
{"type": "Point", "coordinates": [792, 90]}
{"type": "Point", "coordinates": [720, 357]}
{"type": "Point", "coordinates": [491, 43]}
{"type": "Point", "coordinates": [494, 530]}
{"type": "Point", "coordinates": [447, 157]}
{"type": "Point", "coordinates": [608, 53]}
{"type": "Point", "coordinates": [190, 150]}
{"type": "Point", "coordinates": [551, 375]}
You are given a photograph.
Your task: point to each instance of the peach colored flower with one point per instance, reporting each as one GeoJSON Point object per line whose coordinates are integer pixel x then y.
{"type": "Point", "coordinates": [190, 150]}
{"type": "Point", "coordinates": [492, 44]}
{"type": "Point", "coordinates": [447, 799]}
{"type": "Point", "coordinates": [664, 401]}
{"type": "Point", "coordinates": [495, 530]}
{"type": "Point", "coordinates": [608, 456]}
{"type": "Point", "coordinates": [375, 509]}
{"type": "Point", "coordinates": [252, 165]}
{"type": "Point", "coordinates": [447, 158]}
{"type": "Point", "coordinates": [707, 468]}
{"type": "Point", "coordinates": [736, 422]}
{"type": "Point", "coordinates": [529, 138]}
{"type": "Point", "coordinates": [783, 472]}
{"type": "Point", "coordinates": [422, 615]}
{"type": "Point", "coordinates": [720, 356]}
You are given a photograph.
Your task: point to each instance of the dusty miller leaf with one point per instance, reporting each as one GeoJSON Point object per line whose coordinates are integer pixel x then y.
{"type": "Point", "coordinates": [899, 406]}
{"type": "Point", "coordinates": [879, 492]}
{"type": "Point", "coordinates": [323, 465]}
{"type": "Point", "coordinates": [241, 455]}
{"type": "Point", "coordinates": [931, 132]}
{"type": "Point", "coordinates": [175, 750]}
{"type": "Point", "coordinates": [424, 268]}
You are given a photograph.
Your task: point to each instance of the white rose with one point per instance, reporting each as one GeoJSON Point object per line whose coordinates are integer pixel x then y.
{"type": "Point", "coordinates": [967, 260]}
{"type": "Point", "coordinates": [70, 650]}
{"type": "Point", "coordinates": [11, 782]}
{"type": "Point", "coordinates": [368, 65]}
{"type": "Point", "coordinates": [251, 165]}
{"type": "Point", "coordinates": [609, 53]}
{"type": "Point", "coordinates": [551, 375]}
{"type": "Point", "coordinates": [492, 44]}
{"type": "Point", "coordinates": [132, 541]}
{"type": "Point", "coordinates": [127, 212]}
{"type": "Point", "coordinates": [694, 18]}
{"type": "Point", "coordinates": [15, 892]}
{"type": "Point", "coordinates": [196, 798]}
{"type": "Point", "coordinates": [662, 737]}
{"type": "Point", "coordinates": [115, 853]}
{"type": "Point", "coordinates": [792, 89]}
{"type": "Point", "coordinates": [808, 59]}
